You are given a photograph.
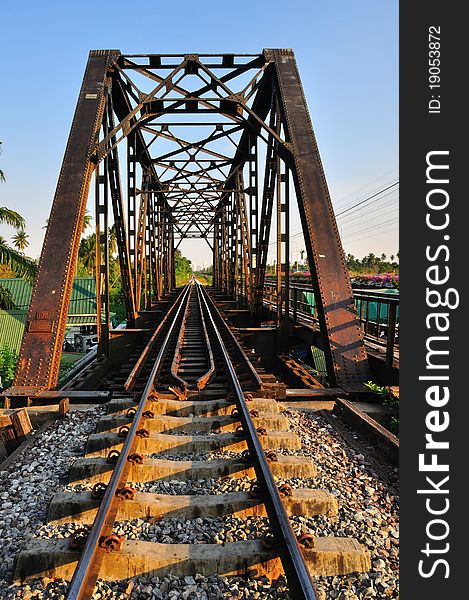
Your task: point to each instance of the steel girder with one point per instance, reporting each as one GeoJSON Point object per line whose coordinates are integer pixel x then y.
{"type": "Point", "coordinates": [178, 187]}
{"type": "Point", "coordinates": [345, 351]}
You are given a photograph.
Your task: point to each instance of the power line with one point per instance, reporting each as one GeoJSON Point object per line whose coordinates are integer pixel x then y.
{"type": "Point", "coordinates": [365, 189]}
{"type": "Point", "coordinates": [370, 217]}
{"type": "Point", "coordinates": [370, 235]}
{"type": "Point", "coordinates": [367, 199]}
{"type": "Point", "coordinates": [382, 224]}
{"type": "Point", "coordinates": [378, 205]}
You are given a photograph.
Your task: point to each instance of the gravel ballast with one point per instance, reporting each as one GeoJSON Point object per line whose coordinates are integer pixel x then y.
{"type": "Point", "coordinates": [28, 484]}
{"type": "Point", "coordinates": [368, 511]}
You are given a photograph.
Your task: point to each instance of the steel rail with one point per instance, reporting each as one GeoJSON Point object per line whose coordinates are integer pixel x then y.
{"type": "Point", "coordinates": [130, 381]}
{"type": "Point", "coordinates": [252, 371]}
{"type": "Point", "coordinates": [177, 351]}
{"type": "Point", "coordinates": [87, 571]}
{"type": "Point", "coordinates": [204, 379]}
{"type": "Point", "coordinates": [296, 570]}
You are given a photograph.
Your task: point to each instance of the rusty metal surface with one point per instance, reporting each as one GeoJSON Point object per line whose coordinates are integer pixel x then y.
{"type": "Point", "coordinates": [41, 348]}
{"type": "Point", "coordinates": [298, 576]}
{"type": "Point", "coordinates": [87, 571]}
{"type": "Point", "coordinates": [149, 346]}
{"type": "Point", "coordinates": [207, 187]}
{"type": "Point", "coordinates": [204, 379]}
{"type": "Point", "coordinates": [345, 352]}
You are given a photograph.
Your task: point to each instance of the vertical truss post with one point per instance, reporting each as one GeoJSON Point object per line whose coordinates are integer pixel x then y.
{"type": "Point", "coordinates": [163, 249]}
{"type": "Point", "coordinates": [132, 206]}
{"type": "Point", "coordinates": [102, 256]}
{"type": "Point", "coordinates": [159, 261]}
{"type": "Point", "coordinates": [120, 227]}
{"type": "Point", "coordinates": [253, 209]}
{"type": "Point", "coordinates": [239, 253]}
{"type": "Point", "coordinates": [152, 250]}
{"type": "Point", "coordinates": [148, 278]}
{"type": "Point", "coordinates": [232, 248]}
{"type": "Point", "coordinates": [140, 242]}
{"type": "Point", "coordinates": [279, 245]}
{"type": "Point", "coordinates": [236, 244]}
{"type": "Point", "coordinates": [343, 341]}
{"type": "Point", "coordinates": [225, 271]}
{"type": "Point", "coordinates": [245, 238]}
{"type": "Point", "coordinates": [285, 241]}
{"type": "Point", "coordinates": [268, 193]}
{"type": "Point", "coordinates": [216, 254]}
{"type": "Point", "coordinates": [172, 256]}
{"type": "Point", "coordinates": [166, 253]}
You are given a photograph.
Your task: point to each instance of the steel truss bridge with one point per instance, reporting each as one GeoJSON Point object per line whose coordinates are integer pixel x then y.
{"type": "Point", "coordinates": [177, 146]}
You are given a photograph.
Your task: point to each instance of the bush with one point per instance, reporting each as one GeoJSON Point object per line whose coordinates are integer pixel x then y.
{"type": "Point", "coordinates": [8, 360]}
{"type": "Point", "coordinates": [389, 401]}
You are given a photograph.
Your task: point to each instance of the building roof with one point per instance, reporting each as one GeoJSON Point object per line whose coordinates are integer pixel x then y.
{"type": "Point", "coordinates": [82, 308]}
{"type": "Point", "coordinates": [82, 302]}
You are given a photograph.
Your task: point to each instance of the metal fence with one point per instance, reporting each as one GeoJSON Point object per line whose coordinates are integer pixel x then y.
{"type": "Point", "coordinates": [378, 312]}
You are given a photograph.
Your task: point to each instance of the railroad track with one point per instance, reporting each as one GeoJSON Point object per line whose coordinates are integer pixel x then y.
{"type": "Point", "coordinates": [192, 392]}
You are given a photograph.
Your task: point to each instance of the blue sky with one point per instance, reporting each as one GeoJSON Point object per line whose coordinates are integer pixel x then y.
{"type": "Point", "coordinates": [347, 53]}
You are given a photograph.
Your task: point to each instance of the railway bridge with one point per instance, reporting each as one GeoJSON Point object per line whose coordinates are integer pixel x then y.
{"type": "Point", "coordinates": [218, 147]}
{"type": "Point", "coordinates": [183, 146]}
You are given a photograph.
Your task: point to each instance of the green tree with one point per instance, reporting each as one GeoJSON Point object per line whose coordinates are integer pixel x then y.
{"type": "Point", "coordinates": [87, 219]}
{"type": "Point", "coordinates": [20, 240]}
{"type": "Point", "coordinates": [183, 268]}
{"type": "Point", "coordinates": [112, 239]}
{"type": "Point", "coordinates": [8, 360]}
{"type": "Point", "coordinates": [87, 254]}
{"type": "Point", "coordinates": [20, 264]}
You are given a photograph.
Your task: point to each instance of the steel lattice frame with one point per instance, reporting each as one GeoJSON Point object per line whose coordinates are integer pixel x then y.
{"type": "Point", "coordinates": [180, 184]}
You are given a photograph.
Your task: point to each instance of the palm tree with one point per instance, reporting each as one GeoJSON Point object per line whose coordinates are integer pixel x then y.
{"type": "Point", "coordinates": [11, 217]}
{"type": "Point", "coordinates": [20, 240]}
{"type": "Point", "coordinates": [86, 221]}
{"type": "Point", "coordinates": [87, 253]}
{"type": "Point", "coordinates": [112, 239]}
{"type": "Point", "coordinates": [20, 264]}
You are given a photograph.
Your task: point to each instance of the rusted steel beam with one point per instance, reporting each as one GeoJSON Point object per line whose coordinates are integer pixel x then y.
{"type": "Point", "coordinates": [245, 238]}
{"type": "Point", "coordinates": [102, 256]}
{"type": "Point", "coordinates": [39, 358]}
{"type": "Point", "coordinates": [344, 348]}
{"type": "Point", "coordinates": [86, 573]}
{"type": "Point", "coordinates": [120, 225]}
{"type": "Point", "coordinates": [293, 562]}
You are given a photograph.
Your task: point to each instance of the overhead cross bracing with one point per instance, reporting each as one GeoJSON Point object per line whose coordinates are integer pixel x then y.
{"type": "Point", "coordinates": [191, 111]}
{"type": "Point", "coordinates": [214, 146]}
